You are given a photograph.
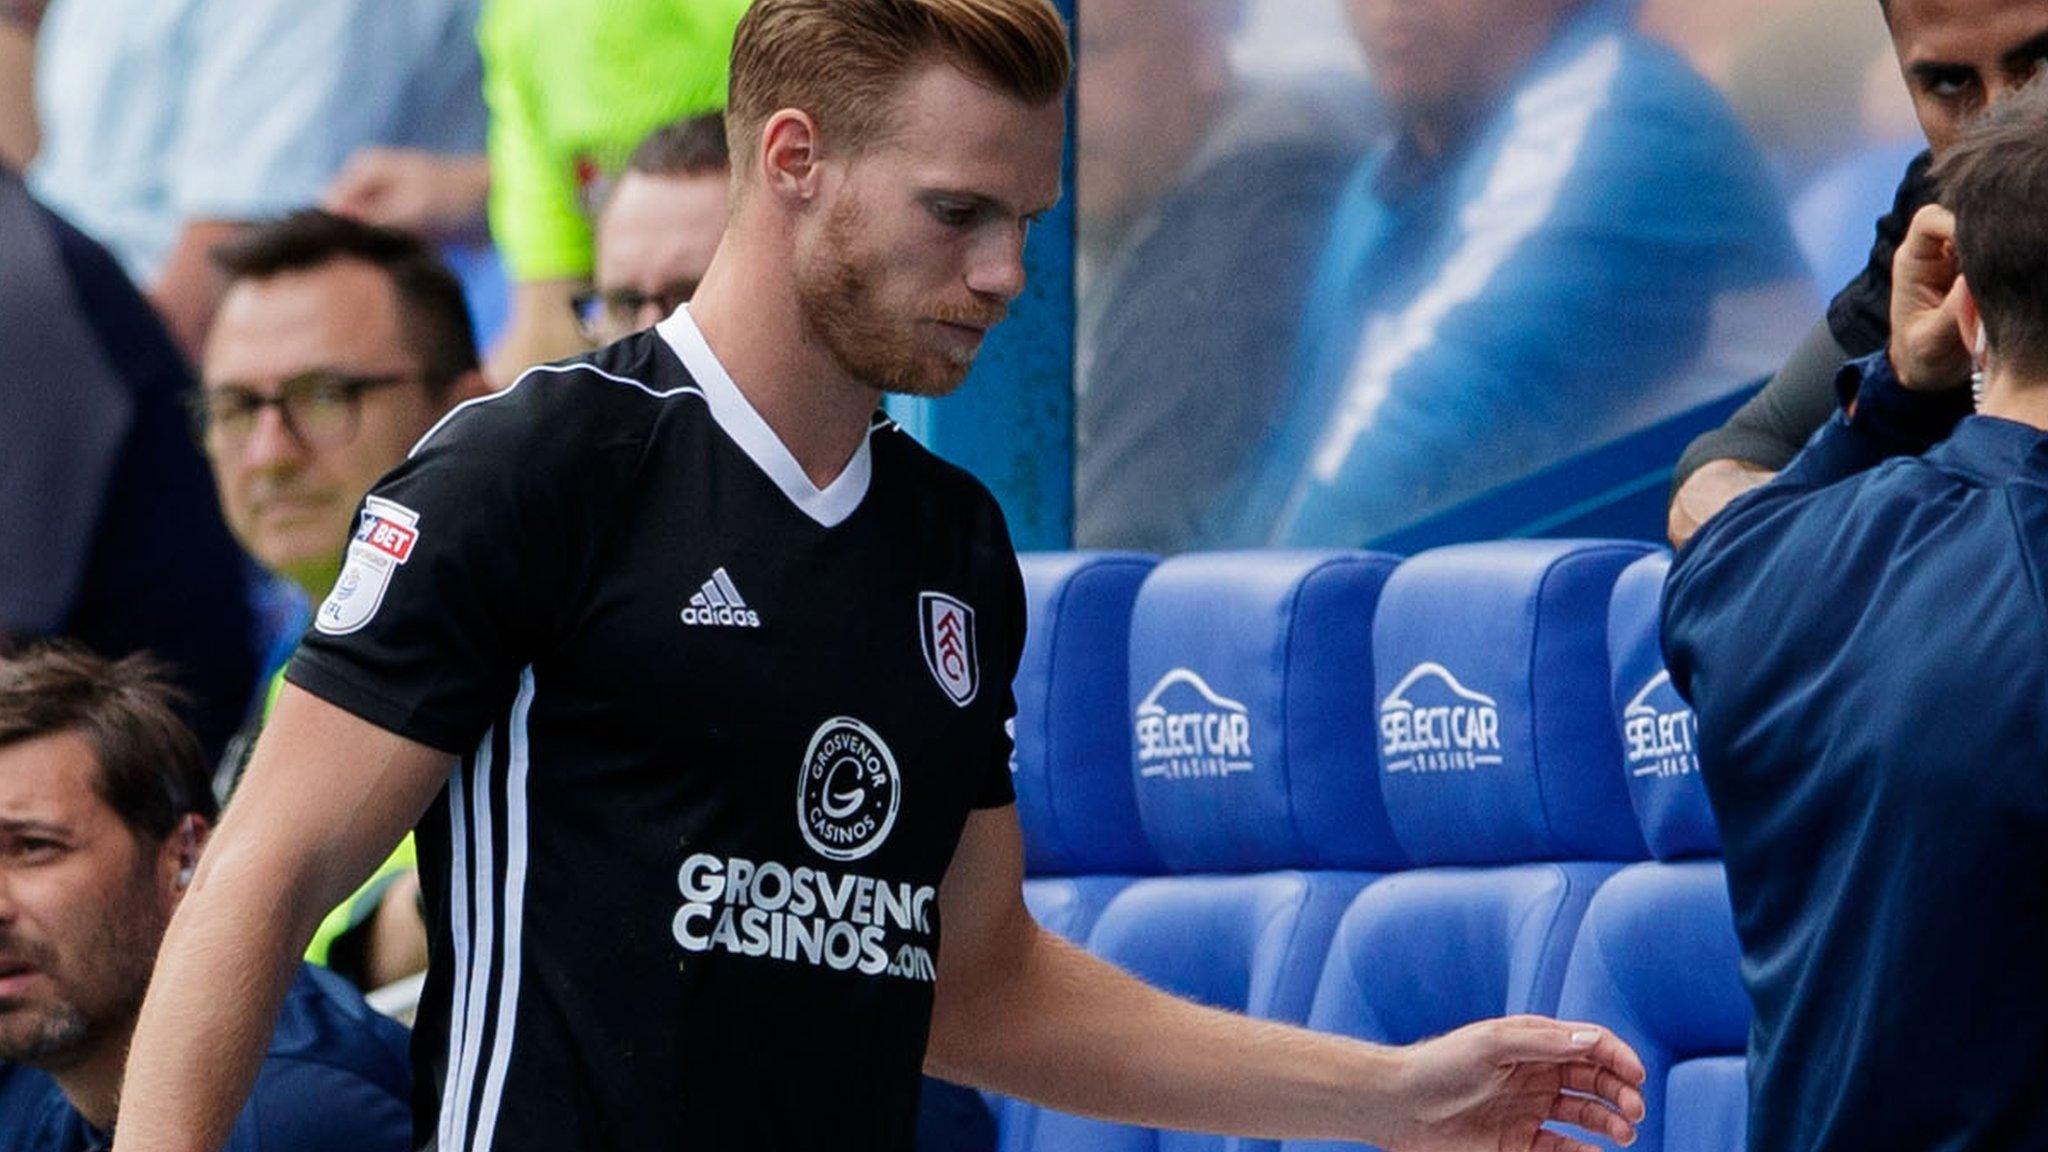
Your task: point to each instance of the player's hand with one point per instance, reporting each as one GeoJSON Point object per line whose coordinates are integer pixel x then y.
{"type": "Point", "coordinates": [411, 190]}
{"type": "Point", "coordinates": [1491, 1087]}
{"type": "Point", "coordinates": [1927, 349]}
{"type": "Point", "coordinates": [1712, 487]}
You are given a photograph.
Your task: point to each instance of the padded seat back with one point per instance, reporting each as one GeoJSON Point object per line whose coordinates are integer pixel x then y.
{"type": "Point", "coordinates": [1071, 766]}
{"type": "Point", "coordinates": [1251, 712]}
{"type": "Point", "coordinates": [1659, 736]}
{"type": "Point", "coordinates": [1658, 962]}
{"type": "Point", "coordinates": [1497, 741]}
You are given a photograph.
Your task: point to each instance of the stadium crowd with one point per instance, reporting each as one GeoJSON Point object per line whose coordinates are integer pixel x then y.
{"type": "Point", "coordinates": [252, 252]}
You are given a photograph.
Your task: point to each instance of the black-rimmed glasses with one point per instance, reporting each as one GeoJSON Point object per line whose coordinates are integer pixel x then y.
{"type": "Point", "coordinates": [608, 315]}
{"type": "Point", "coordinates": [320, 409]}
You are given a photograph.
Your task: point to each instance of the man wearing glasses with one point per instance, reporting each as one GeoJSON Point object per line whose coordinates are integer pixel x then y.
{"type": "Point", "coordinates": [337, 346]}
{"type": "Point", "coordinates": [659, 229]}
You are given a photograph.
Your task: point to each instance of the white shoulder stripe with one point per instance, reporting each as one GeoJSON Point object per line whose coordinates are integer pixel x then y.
{"type": "Point", "coordinates": [556, 369]}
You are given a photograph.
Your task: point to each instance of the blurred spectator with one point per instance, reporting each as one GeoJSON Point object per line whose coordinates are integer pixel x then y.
{"type": "Point", "coordinates": [1201, 205]}
{"type": "Point", "coordinates": [659, 228]}
{"type": "Point", "coordinates": [338, 345]}
{"type": "Point", "coordinates": [108, 524]}
{"type": "Point", "coordinates": [104, 807]}
{"type": "Point", "coordinates": [1569, 236]}
{"type": "Point", "coordinates": [168, 124]}
{"type": "Point", "coordinates": [1957, 60]}
{"type": "Point", "coordinates": [441, 197]}
{"type": "Point", "coordinates": [18, 21]}
{"type": "Point", "coordinates": [573, 88]}
{"type": "Point", "coordinates": [1708, 35]}
{"type": "Point", "coordinates": [1799, 81]}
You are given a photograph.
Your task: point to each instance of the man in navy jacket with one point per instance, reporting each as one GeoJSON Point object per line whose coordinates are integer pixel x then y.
{"type": "Point", "coordinates": [1863, 641]}
{"type": "Point", "coordinates": [104, 806]}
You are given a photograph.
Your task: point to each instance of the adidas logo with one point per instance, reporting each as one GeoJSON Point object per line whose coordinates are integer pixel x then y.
{"type": "Point", "coordinates": [719, 605]}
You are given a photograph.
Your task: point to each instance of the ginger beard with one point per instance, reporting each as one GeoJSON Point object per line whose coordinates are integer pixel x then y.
{"type": "Point", "coordinates": [845, 297]}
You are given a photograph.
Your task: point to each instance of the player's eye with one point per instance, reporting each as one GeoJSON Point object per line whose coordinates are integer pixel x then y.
{"type": "Point", "coordinates": [951, 213]}
{"type": "Point", "coordinates": [1950, 85]}
{"type": "Point", "coordinates": [30, 849]}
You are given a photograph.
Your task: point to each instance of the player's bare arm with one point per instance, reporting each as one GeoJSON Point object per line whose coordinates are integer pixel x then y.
{"type": "Point", "coordinates": [1018, 1009]}
{"type": "Point", "coordinates": [326, 798]}
{"type": "Point", "coordinates": [1713, 487]}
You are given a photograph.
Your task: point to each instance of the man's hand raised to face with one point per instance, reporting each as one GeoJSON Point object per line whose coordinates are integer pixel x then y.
{"type": "Point", "coordinates": [1927, 349]}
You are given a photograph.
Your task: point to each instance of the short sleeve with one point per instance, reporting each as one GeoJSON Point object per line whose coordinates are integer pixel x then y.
{"type": "Point", "coordinates": [994, 787]}
{"type": "Point", "coordinates": [467, 561]}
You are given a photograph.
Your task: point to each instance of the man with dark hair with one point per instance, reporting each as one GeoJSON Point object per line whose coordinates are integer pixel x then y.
{"type": "Point", "coordinates": [659, 229]}
{"type": "Point", "coordinates": [1201, 199]}
{"type": "Point", "coordinates": [338, 344]}
{"type": "Point", "coordinates": [104, 806]}
{"type": "Point", "coordinates": [731, 853]}
{"type": "Point", "coordinates": [1861, 638]}
{"type": "Point", "coordinates": [1958, 58]}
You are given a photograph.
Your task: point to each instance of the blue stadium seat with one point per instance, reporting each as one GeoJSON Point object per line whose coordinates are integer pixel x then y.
{"type": "Point", "coordinates": [1072, 763]}
{"type": "Point", "coordinates": [1068, 905]}
{"type": "Point", "coordinates": [1657, 958]}
{"type": "Point", "coordinates": [1657, 962]}
{"type": "Point", "coordinates": [1485, 926]}
{"type": "Point", "coordinates": [1250, 691]}
{"type": "Point", "coordinates": [1082, 840]}
{"type": "Point", "coordinates": [1251, 711]}
{"type": "Point", "coordinates": [1658, 732]}
{"type": "Point", "coordinates": [1497, 739]}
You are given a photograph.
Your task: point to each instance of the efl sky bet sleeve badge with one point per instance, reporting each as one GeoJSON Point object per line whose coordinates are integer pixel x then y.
{"type": "Point", "coordinates": [384, 540]}
{"type": "Point", "coordinates": [945, 626]}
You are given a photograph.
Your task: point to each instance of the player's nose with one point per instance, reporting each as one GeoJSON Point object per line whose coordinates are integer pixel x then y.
{"type": "Point", "coordinates": [997, 267]}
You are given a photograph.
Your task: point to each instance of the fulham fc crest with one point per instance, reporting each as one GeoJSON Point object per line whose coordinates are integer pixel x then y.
{"type": "Point", "coordinates": [946, 628]}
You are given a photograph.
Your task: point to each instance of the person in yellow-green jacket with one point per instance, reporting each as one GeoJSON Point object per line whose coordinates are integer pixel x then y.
{"type": "Point", "coordinates": [572, 89]}
{"type": "Point", "coordinates": [337, 346]}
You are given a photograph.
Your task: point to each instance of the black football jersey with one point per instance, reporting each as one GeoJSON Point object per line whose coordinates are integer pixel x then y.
{"type": "Point", "coordinates": [719, 731]}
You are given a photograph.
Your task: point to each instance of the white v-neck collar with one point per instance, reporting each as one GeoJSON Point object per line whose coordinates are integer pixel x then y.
{"type": "Point", "coordinates": [830, 505]}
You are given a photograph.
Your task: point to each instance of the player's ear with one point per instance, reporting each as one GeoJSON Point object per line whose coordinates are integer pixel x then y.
{"type": "Point", "coordinates": [790, 155]}
{"type": "Point", "coordinates": [1970, 323]}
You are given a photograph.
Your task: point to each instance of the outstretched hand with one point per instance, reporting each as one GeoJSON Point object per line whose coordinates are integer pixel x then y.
{"type": "Point", "coordinates": [1491, 1087]}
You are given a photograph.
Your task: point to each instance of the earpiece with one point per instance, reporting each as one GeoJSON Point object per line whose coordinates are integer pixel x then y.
{"type": "Point", "coordinates": [1983, 339]}
{"type": "Point", "coordinates": [188, 851]}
